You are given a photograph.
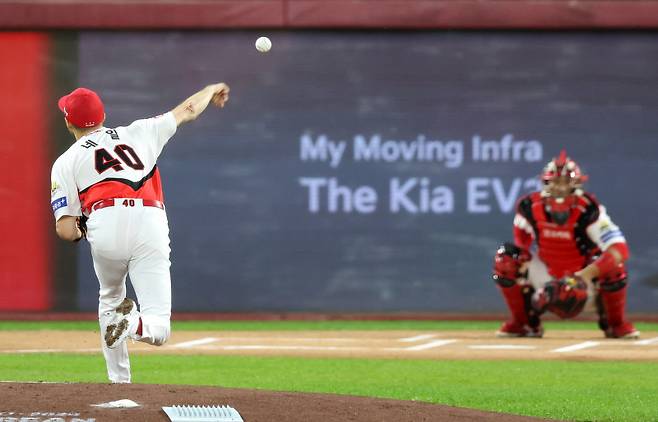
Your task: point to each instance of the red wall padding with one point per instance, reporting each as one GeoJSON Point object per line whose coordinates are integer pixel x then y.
{"type": "Point", "coordinates": [473, 14]}
{"type": "Point", "coordinates": [401, 14]}
{"type": "Point", "coordinates": [25, 220]}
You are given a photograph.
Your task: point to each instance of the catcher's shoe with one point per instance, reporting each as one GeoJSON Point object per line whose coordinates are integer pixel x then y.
{"type": "Point", "coordinates": [515, 329]}
{"type": "Point", "coordinates": [624, 330]}
{"type": "Point", "coordinates": [123, 324]}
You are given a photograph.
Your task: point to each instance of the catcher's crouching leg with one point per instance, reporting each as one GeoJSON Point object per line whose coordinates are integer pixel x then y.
{"type": "Point", "coordinates": [610, 307]}
{"type": "Point", "coordinates": [525, 321]}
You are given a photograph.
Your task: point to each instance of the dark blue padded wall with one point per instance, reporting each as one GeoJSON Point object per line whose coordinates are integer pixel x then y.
{"type": "Point", "coordinates": [375, 171]}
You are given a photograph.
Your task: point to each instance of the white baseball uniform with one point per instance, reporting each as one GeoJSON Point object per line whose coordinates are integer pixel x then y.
{"type": "Point", "coordinates": [110, 175]}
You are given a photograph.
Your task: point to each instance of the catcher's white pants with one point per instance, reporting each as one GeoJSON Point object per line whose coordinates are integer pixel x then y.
{"type": "Point", "coordinates": [131, 240]}
{"type": "Point", "coordinates": [538, 273]}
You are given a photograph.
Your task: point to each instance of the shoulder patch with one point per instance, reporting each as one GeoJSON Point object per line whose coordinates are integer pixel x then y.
{"type": "Point", "coordinates": [58, 203]}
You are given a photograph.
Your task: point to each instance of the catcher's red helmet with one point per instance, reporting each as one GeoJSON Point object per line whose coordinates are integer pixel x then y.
{"type": "Point", "coordinates": [562, 165]}
{"type": "Point", "coordinates": [563, 180]}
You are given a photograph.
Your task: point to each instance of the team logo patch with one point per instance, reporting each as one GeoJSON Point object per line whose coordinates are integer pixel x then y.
{"type": "Point", "coordinates": [556, 234]}
{"type": "Point", "coordinates": [53, 187]}
{"type": "Point", "coordinates": [58, 203]}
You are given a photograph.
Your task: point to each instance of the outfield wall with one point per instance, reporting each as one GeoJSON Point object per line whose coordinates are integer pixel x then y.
{"type": "Point", "coordinates": [25, 277]}
{"type": "Point", "coordinates": [352, 171]}
{"type": "Point", "coordinates": [329, 14]}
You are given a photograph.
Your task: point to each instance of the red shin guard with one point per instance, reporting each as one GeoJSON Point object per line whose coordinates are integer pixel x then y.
{"type": "Point", "coordinates": [617, 326]}
{"type": "Point", "coordinates": [614, 304]}
{"type": "Point", "coordinates": [515, 303]}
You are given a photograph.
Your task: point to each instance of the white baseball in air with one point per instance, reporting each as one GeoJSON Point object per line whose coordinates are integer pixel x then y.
{"type": "Point", "coordinates": [263, 44]}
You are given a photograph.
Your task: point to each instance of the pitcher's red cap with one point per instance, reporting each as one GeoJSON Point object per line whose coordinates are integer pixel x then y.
{"type": "Point", "coordinates": [82, 108]}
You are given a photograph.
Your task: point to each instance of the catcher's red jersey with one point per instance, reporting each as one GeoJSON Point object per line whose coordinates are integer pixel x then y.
{"type": "Point", "coordinates": [569, 247]}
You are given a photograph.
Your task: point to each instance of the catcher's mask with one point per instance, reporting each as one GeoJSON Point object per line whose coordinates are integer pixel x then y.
{"type": "Point", "coordinates": [563, 181]}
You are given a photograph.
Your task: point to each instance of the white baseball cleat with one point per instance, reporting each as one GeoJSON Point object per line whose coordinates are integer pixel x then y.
{"type": "Point", "coordinates": [123, 324]}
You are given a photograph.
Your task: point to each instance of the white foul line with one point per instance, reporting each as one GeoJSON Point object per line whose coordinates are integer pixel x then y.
{"type": "Point", "coordinates": [647, 341]}
{"type": "Point", "coordinates": [193, 343]}
{"type": "Point", "coordinates": [417, 338]}
{"type": "Point", "coordinates": [578, 346]}
{"type": "Point", "coordinates": [501, 347]}
{"type": "Point", "coordinates": [431, 344]}
{"type": "Point", "coordinates": [95, 349]}
{"type": "Point", "coordinates": [269, 347]}
{"type": "Point", "coordinates": [307, 339]}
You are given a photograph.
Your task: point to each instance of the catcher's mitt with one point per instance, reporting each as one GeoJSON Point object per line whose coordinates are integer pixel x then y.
{"type": "Point", "coordinates": [565, 297]}
{"type": "Point", "coordinates": [81, 222]}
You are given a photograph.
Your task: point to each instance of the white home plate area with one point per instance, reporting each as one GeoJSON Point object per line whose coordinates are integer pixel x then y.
{"type": "Point", "coordinates": [358, 344]}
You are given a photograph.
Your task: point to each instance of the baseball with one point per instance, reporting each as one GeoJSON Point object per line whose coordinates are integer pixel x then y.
{"type": "Point", "coordinates": [263, 44]}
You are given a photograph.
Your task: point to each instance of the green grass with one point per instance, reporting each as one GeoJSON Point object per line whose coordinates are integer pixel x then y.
{"type": "Point", "coordinates": [313, 325]}
{"type": "Point", "coordinates": [581, 391]}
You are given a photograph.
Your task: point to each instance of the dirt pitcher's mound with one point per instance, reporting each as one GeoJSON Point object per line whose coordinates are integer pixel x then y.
{"type": "Point", "coordinates": [40, 402]}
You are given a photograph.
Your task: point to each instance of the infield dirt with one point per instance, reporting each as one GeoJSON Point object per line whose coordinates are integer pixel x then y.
{"type": "Point", "coordinates": [567, 345]}
{"type": "Point", "coordinates": [72, 402]}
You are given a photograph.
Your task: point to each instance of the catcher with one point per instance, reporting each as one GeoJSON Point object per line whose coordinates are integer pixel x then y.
{"type": "Point", "coordinates": [580, 255]}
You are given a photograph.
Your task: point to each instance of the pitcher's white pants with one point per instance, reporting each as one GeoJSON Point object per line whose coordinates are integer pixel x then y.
{"type": "Point", "coordinates": [131, 240]}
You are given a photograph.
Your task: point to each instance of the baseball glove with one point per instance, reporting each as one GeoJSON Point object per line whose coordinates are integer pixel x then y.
{"type": "Point", "coordinates": [565, 297]}
{"type": "Point", "coordinates": [81, 222]}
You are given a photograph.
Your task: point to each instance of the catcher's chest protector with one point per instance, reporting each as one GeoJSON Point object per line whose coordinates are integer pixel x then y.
{"type": "Point", "coordinates": [564, 248]}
